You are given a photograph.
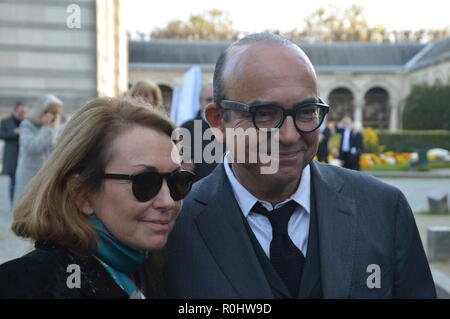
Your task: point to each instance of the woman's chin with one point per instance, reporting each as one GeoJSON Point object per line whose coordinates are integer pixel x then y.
{"type": "Point", "coordinates": [155, 243]}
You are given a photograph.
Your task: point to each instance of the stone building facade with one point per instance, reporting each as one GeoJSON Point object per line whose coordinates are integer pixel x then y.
{"type": "Point", "coordinates": [367, 81]}
{"type": "Point", "coordinates": [77, 50]}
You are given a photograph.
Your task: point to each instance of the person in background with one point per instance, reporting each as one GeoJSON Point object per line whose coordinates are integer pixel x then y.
{"type": "Point", "coordinates": [37, 138]}
{"type": "Point", "coordinates": [351, 146]}
{"type": "Point", "coordinates": [203, 168]}
{"type": "Point", "coordinates": [324, 137]}
{"type": "Point", "coordinates": [103, 203]}
{"type": "Point", "coordinates": [147, 92]}
{"type": "Point", "coordinates": [10, 132]}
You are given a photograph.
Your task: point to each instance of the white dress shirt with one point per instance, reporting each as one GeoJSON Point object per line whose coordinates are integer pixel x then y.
{"type": "Point", "coordinates": [298, 226]}
{"type": "Point", "coordinates": [346, 140]}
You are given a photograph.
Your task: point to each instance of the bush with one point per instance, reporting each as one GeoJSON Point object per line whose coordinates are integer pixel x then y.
{"type": "Point", "coordinates": [371, 141]}
{"type": "Point", "coordinates": [427, 108]}
{"type": "Point", "coordinates": [412, 141]}
{"type": "Point", "coordinates": [333, 144]}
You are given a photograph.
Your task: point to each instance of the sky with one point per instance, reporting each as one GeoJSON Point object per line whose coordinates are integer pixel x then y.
{"type": "Point", "coordinates": [260, 15]}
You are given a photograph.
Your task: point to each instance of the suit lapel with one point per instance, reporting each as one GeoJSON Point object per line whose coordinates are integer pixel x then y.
{"type": "Point", "coordinates": [224, 233]}
{"type": "Point", "coordinates": [336, 215]}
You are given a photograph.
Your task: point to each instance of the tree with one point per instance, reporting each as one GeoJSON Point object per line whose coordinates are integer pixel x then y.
{"type": "Point", "coordinates": [333, 24]}
{"type": "Point", "coordinates": [327, 24]}
{"type": "Point", "coordinates": [212, 25]}
{"type": "Point", "coordinates": [421, 35]}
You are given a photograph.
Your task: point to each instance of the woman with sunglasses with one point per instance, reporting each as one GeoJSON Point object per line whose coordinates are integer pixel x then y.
{"type": "Point", "coordinates": [102, 205]}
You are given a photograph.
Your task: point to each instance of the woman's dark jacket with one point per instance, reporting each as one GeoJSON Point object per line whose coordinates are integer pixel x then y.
{"type": "Point", "coordinates": [44, 273]}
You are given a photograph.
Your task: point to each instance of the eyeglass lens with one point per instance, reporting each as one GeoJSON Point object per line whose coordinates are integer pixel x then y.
{"type": "Point", "coordinates": [306, 118]}
{"type": "Point", "coordinates": [148, 184]}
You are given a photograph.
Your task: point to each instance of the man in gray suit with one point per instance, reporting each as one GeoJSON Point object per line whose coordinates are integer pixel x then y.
{"type": "Point", "coordinates": [9, 132]}
{"type": "Point", "coordinates": [308, 230]}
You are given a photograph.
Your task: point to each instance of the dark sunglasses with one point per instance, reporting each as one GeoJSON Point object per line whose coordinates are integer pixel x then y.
{"type": "Point", "coordinates": [146, 185]}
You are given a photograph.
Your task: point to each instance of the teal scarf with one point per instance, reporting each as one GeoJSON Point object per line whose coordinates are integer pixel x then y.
{"type": "Point", "coordinates": [119, 260]}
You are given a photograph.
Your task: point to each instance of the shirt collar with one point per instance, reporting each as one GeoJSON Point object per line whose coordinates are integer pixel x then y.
{"type": "Point", "coordinates": [246, 200]}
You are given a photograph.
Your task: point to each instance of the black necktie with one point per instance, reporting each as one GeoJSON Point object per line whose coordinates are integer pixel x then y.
{"type": "Point", "coordinates": [285, 257]}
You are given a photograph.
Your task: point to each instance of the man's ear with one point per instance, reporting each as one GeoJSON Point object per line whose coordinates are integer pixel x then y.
{"type": "Point", "coordinates": [81, 199]}
{"type": "Point", "coordinates": [215, 119]}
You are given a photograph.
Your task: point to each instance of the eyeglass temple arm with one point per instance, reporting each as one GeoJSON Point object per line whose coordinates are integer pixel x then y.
{"type": "Point", "coordinates": [321, 102]}
{"type": "Point", "coordinates": [118, 176]}
{"type": "Point", "coordinates": [234, 105]}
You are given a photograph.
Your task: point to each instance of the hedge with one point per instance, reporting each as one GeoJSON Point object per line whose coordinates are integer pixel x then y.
{"type": "Point", "coordinates": [412, 141]}
{"type": "Point", "coordinates": [427, 108]}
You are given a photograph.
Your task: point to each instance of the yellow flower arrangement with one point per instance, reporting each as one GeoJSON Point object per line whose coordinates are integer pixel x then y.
{"type": "Point", "coordinates": [431, 156]}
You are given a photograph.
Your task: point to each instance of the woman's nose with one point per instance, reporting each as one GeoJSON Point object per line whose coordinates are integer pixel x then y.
{"type": "Point", "coordinates": [163, 199]}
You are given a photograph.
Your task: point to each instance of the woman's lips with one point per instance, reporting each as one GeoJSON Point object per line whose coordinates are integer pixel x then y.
{"type": "Point", "coordinates": [158, 224]}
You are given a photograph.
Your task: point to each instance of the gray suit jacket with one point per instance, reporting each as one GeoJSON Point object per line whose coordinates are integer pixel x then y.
{"type": "Point", "coordinates": [361, 222]}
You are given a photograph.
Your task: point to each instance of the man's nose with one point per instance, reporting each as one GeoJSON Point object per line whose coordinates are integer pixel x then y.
{"type": "Point", "coordinates": [288, 131]}
{"type": "Point", "coordinates": [164, 200]}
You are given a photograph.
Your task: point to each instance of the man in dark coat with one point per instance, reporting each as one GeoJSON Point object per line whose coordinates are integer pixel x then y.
{"type": "Point", "coordinates": [199, 166]}
{"type": "Point", "coordinates": [9, 132]}
{"type": "Point", "coordinates": [351, 146]}
{"type": "Point", "coordinates": [324, 137]}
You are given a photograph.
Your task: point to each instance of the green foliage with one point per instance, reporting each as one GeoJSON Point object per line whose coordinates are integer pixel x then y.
{"type": "Point", "coordinates": [389, 167]}
{"type": "Point", "coordinates": [439, 165]}
{"type": "Point", "coordinates": [427, 108]}
{"type": "Point", "coordinates": [428, 212]}
{"type": "Point", "coordinates": [412, 141]}
{"type": "Point", "coordinates": [422, 168]}
{"type": "Point", "coordinates": [333, 144]}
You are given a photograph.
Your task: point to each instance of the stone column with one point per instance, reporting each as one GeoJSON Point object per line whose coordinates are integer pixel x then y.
{"type": "Point", "coordinates": [394, 116]}
{"type": "Point", "coordinates": [358, 112]}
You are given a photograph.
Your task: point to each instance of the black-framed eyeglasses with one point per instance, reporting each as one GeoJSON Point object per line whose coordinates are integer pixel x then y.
{"type": "Point", "coordinates": [308, 116]}
{"type": "Point", "coordinates": [146, 185]}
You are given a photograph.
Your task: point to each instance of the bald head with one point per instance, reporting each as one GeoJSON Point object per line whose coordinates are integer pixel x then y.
{"type": "Point", "coordinates": [252, 44]}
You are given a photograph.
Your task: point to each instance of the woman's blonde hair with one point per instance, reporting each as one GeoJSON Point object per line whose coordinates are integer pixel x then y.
{"type": "Point", "coordinates": [42, 105]}
{"type": "Point", "coordinates": [47, 211]}
{"type": "Point", "coordinates": [143, 88]}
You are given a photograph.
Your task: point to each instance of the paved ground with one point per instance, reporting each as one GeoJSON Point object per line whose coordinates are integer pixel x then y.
{"type": "Point", "coordinates": [416, 190]}
{"type": "Point", "coordinates": [425, 221]}
{"type": "Point", "coordinates": [11, 246]}
{"type": "Point", "coordinates": [416, 187]}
